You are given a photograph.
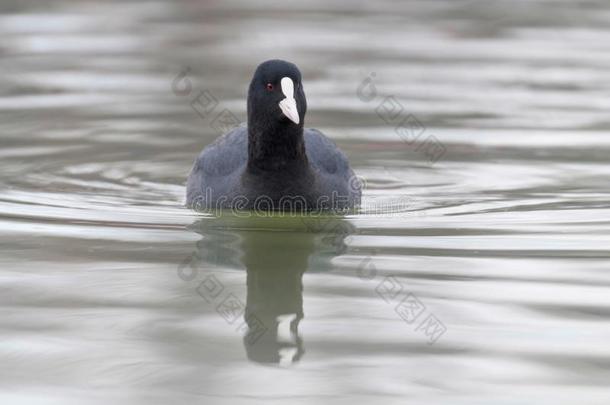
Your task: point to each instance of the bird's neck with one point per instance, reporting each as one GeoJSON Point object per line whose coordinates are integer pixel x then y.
{"type": "Point", "coordinates": [275, 146]}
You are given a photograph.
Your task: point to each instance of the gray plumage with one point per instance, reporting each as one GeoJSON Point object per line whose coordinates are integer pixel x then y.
{"type": "Point", "coordinates": [273, 163]}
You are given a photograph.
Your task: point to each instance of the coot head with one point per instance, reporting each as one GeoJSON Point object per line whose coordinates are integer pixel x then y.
{"type": "Point", "coordinates": [276, 97]}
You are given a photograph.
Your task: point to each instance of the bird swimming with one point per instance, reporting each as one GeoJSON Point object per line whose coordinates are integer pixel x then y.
{"type": "Point", "coordinates": [273, 163]}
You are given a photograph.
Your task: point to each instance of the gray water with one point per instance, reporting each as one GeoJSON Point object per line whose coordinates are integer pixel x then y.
{"type": "Point", "coordinates": [477, 270]}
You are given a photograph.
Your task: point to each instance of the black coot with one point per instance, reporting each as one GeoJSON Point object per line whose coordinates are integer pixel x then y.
{"type": "Point", "coordinates": [273, 163]}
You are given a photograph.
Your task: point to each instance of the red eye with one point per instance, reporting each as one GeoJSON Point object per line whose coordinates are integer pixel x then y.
{"type": "Point", "coordinates": [269, 87]}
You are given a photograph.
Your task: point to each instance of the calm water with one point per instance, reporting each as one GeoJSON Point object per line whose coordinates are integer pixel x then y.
{"type": "Point", "coordinates": [478, 270]}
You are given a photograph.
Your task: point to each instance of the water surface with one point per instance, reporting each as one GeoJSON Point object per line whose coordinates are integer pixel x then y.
{"type": "Point", "coordinates": [477, 270]}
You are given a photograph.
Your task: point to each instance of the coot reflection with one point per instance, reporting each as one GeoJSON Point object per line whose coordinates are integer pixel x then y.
{"type": "Point", "coordinates": [275, 260]}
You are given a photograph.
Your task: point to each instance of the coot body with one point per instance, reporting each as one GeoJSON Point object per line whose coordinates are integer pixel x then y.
{"type": "Point", "coordinates": [273, 163]}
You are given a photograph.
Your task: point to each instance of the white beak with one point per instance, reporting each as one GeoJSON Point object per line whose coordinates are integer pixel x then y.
{"type": "Point", "coordinates": [289, 104]}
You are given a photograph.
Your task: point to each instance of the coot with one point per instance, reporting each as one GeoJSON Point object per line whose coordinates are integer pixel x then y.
{"type": "Point", "coordinates": [273, 163]}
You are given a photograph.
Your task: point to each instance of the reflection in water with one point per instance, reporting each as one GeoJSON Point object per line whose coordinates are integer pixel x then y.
{"type": "Point", "coordinates": [275, 259]}
{"type": "Point", "coordinates": [275, 262]}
